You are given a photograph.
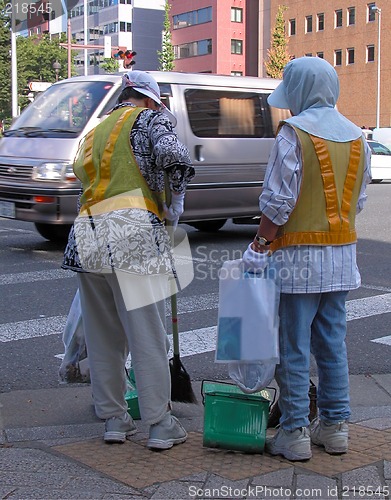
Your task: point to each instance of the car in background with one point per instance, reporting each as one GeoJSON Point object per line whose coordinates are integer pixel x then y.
{"type": "Point", "coordinates": [380, 162]}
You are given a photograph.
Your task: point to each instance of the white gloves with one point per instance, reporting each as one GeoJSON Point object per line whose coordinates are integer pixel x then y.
{"type": "Point", "coordinates": [255, 262]}
{"type": "Point", "coordinates": [175, 210]}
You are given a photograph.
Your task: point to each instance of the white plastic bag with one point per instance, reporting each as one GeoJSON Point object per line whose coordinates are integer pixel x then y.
{"type": "Point", "coordinates": [251, 377]}
{"type": "Point", "coordinates": [74, 366]}
{"type": "Point", "coordinates": [247, 330]}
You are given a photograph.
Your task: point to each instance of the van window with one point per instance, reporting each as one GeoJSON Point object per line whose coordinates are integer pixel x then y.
{"type": "Point", "coordinates": [219, 113]}
{"type": "Point", "coordinates": [64, 108]}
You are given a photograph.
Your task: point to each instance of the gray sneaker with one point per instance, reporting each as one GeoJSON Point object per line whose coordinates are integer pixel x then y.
{"type": "Point", "coordinates": [293, 445]}
{"type": "Point", "coordinates": [166, 433]}
{"type": "Point", "coordinates": [334, 437]}
{"type": "Point", "coordinates": [118, 429]}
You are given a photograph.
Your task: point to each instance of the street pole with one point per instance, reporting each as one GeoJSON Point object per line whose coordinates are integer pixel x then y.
{"type": "Point", "coordinates": [69, 46]}
{"type": "Point", "coordinates": [378, 11]}
{"type": "Point", "coordinates": [14, 67]}
{"type": "Point", "coordinates": [85, 28]}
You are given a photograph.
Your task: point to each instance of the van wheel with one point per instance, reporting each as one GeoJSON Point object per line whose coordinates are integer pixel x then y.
{"type": "Point", "coordinates": [209, 226]}
{"type": "Point", "coordinates": [53, 232]}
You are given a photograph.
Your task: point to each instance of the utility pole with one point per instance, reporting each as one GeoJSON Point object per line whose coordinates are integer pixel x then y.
{"type": "Point", "coordinates": [14, 67]}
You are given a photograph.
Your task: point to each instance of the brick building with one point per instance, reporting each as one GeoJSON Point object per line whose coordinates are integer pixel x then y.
{"type": "Point", "coordinates": [345, 33]}
{"type": "Point", "coordinates": [217, 36]}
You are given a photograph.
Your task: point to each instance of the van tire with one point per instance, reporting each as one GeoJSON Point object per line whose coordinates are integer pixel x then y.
{"type": "Point", "coordinates": [53, 232]}
{"type": "Point", "coordinates": [208, 226]}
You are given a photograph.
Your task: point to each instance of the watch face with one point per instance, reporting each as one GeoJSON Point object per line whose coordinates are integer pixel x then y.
{"type": "Point", "coordinates": [262, 240]}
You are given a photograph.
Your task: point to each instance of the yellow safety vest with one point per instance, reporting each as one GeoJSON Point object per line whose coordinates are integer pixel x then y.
{"type": "Point", "coordinates": [108, 170]}
{"type": "Point", "coordinates": [326, 207]}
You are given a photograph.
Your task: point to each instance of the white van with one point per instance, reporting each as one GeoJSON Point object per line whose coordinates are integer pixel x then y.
{"type": "Point", "coordinates": [225, 122]}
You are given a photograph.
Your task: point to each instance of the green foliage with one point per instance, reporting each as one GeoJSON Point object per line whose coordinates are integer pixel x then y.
{"type": "Point", "coordinates": [110, 65]}
{"type": "Point", "coordinates": [278, 55]}
{"type": "Point", "coordinates": [35, 58]}
{"type": "Point", "coordinates": [166, 55]}
{"type": "Point", "coordinates": [5, 64]}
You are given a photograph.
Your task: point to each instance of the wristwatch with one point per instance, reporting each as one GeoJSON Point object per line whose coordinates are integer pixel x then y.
{"type": "Point", "coordinates": [262, 241]}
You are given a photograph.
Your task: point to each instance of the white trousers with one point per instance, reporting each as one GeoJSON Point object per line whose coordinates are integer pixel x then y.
{"type": "Point", "coordinates": [111, 330]}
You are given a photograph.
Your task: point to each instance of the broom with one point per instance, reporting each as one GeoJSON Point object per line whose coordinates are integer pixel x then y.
{"type": "Point", "coordinates": [181, 389]}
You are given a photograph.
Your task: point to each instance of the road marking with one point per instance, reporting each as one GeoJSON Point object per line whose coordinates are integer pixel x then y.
{"type": "Point", "coordinates": [193, 341]}
{"type": "Point", "coordinates": [32, 276]}
{"type": "Point", "coordinates": [383, 340]}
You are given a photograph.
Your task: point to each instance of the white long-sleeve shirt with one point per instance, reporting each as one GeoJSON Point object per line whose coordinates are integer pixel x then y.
{"type": "Point", "coordinates": [305, 268]}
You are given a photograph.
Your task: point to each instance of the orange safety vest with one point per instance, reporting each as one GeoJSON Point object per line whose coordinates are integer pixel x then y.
{"type": "Point", "coordinates": [326, 207]}
{"type": "Point", "coordinates": [108, 170]}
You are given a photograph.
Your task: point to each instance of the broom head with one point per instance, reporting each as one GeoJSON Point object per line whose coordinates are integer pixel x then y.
{"type": "Point", "coordinates": [181, 389]}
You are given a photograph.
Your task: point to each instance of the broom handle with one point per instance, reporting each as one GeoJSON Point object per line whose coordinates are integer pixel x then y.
{"type": "Point", "coordinates": [174, 307]}
{"type": "Point", "coordinates": [174, 319]}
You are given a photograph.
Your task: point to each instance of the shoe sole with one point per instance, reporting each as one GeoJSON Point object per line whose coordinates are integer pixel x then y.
{"type": "Point", "coordinates": [164, 444]}
{"type": "Point", "coordinates": [112, 437]}
{"type": "Point", "coordinates": [293, 457]}
{"type": "Point", "coordinates": [330, 450]}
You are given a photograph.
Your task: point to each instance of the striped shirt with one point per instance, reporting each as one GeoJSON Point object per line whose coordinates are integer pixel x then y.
{"type": "Point", "coordinates": [305, 268]}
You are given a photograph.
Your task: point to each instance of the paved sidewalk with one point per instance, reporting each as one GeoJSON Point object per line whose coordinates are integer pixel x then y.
{"type": "Point", "coordinates": [51, 447]}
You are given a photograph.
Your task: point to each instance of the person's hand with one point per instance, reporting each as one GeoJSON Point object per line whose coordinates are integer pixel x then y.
{"type": "Point", "coordinates": [255, 262]}
{"type": "Point", "coordinates": [175, 210]}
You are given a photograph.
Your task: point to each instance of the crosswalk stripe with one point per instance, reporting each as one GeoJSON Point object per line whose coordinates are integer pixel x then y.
{"type": "Point", "coordinates": [32, 276]}
{"type": "Point", "coordinates": [204, 338]}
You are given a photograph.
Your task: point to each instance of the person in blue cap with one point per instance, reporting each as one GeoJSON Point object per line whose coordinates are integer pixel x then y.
{"type": "Point", "coordinates": [314, 187]}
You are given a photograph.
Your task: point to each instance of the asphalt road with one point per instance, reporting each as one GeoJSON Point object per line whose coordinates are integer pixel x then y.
{"type": "Point", "coordinates": [36, 295]}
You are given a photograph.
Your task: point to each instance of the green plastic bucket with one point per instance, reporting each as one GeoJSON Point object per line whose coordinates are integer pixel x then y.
{"type": "Point", "coordinates": [132, 398]}
{"type": "Point", "coordinates": [234, 420]}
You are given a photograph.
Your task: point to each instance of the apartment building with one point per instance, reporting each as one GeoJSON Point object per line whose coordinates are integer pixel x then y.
{"type": "Point", "coordinates": [346, 34]}
{"type": "Point", "coordinates": [216, 36]}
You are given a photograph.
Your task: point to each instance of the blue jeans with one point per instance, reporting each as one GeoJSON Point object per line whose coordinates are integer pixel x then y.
{"type": "Point", "coordinates": [313, 323]}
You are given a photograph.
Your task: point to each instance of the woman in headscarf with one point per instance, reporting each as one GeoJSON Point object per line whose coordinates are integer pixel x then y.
{"type": "Point", "coordinates": [314, 187]}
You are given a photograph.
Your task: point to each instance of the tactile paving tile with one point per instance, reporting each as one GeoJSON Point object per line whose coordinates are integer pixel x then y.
{"type": "Point", "coordinates": [236, 465]}
{"type": "Point", "coordinates": [133, 464]}
{"type": "Point", "coordinates": [130, 463]}
{"type": "Point", "coordinates": [366, 439]}
{"type": "Point", "coordinates": [361, 452]}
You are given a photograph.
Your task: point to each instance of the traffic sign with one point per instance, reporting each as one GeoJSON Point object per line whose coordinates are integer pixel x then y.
{"type": "Point", "coordinates": [39, 86]}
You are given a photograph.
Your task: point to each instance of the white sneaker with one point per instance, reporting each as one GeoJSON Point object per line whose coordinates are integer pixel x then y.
{"type": "Point", "coordinates": [166, 433]}
{"type": "Point", "coordinates": [293, 445]}
{"type": "Point", "coordinates": [334, 437]}
{"type": "Point", "coordinates": [119, 429]}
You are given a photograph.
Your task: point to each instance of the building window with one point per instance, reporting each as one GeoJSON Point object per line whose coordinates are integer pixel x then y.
{"type": "Point", "coordinates": [308, 54]}
{"type": "Point", "coordinates": [351, 16]}
{"type": "Point", "coordinates": [292, 27]}
{"type": "Point", "coordinates": [320, 54]}
{"type": "Point", "coordinates": [236, 15]}
{"type": "Point", "coordinates": [236, 73]}
{"type": "Point", "coordinates": [199, 48]}
{"type": "Point", "coordinates": [193, 17]}
{"type": "Point", "coordinates": [370, 53]}
{"type": "Point", "coordinates": [320, 21]}
{"type": "Point", "coordinates": [371, 12]}
{"type": "Point", "coordinates": [337, 57]}
{"type": "Point", "coordinates": [350, 56]}
{"type": "Point", "coordinates": [236, 46]}
{"type": "Point", "coordinates": [308, 24]}
{"type": "Point", "coordinates": [125, 27]}
{"type": "Point", "coordinates": [338, 18]}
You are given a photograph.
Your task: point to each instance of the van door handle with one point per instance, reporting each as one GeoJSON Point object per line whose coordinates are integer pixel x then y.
{"type": "Point", "coordinates": [198, 154]}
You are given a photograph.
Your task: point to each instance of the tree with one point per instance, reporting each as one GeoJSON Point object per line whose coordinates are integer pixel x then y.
{"type": "Point", "coordinates": [35, 58]}
{"type": "Point", "coordinates": [166, 55]}
{"type": "Point", "coordinates": [110, 65]}
{"type": "Point", "coordinates": [5, 64]}
{"type": "Point", "coordinates": [278, 55]}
